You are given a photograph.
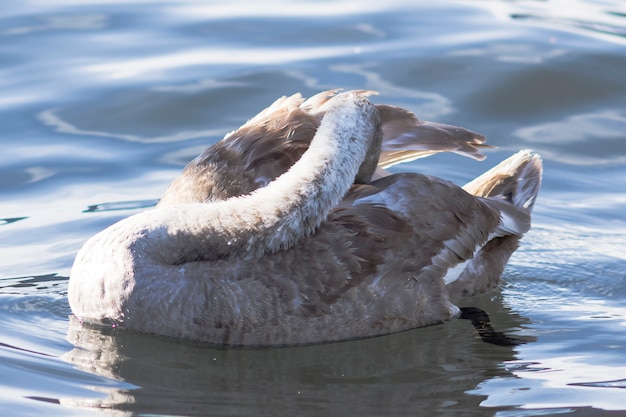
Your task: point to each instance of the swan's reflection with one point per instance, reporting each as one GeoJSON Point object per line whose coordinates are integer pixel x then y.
{"type": "Point", "coordinates": [430, 368]}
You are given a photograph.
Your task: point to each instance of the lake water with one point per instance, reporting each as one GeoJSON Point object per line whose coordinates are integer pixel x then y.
{"type": "Point", "coordinates": [103, 102]}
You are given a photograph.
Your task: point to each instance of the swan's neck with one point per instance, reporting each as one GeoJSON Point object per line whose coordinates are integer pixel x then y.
{"type": "Point", "coordinates": [279, 215]}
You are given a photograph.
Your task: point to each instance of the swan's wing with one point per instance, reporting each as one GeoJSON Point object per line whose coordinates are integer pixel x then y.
{"type": "Point", "coordinates": [255, 154]}
{"type": "Point", "coordinates": [405, 138]}
{"type": "Point", "coordinates": [275, 139]}
{"type": "Point", "coordinates": [249, 157]}
{"type": "Point", "coordinates": [512, 188]}
{"type": "Point", "coordinates": [272, 141]}
{"type": "Point", "coordinates": [422, 228]}
{"type": "Point", "coordinates": [440, 213]}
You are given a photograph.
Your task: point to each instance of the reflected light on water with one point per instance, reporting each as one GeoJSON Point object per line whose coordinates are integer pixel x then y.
{"type": "Point", "coordinates": [432, 104]}
{"type": "Point", "coordinates": [558, 245]}
{"type": "Point", "coordinates": [240, 9]}
{"type": "Point", "coordinates": [521, 53]}
{"type": "Point", "coordinates": [70, 22]}
{"type": "Point", "coordinates": [59, 151]}
{"type": "Point", "coordinates": [105, 100]}
{"type": "Point", "coordinates": [568, 381]}
{"type": "Point", "coordinates": [9, 101]}
{"type": "Point", "coordinates": [594, 310]}
{"type": "Point", "coordinates": [50, 118]}
{"type": "Point", "coordinates": [210, 56]}
{"type": "Point", "coordinates": [602, 132]}
{"type": "Point", "coordinates": [604, 20]}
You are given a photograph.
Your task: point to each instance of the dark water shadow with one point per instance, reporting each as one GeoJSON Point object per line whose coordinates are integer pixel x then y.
{"type": "Point", "coordinates": [431, 369]}
{"type": "Point", "coordinates": [583, 25]}
{"type": "Point", "coordinates": [121, 205]}
{"type": "Point", "coordinates": [9, 220]}
{"type": "Point", "coordinates": [31, 284]}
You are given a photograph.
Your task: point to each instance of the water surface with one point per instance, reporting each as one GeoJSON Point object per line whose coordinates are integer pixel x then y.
{"type": "Point", "coordinates": [103, 103]}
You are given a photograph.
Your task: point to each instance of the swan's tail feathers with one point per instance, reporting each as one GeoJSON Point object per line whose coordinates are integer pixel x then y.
{"type": "Point", "coordinates": [516, 179]}
{"type": "Point", "coordinates": [511, 187]}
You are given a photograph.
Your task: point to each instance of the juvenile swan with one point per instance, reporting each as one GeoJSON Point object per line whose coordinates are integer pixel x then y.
{"type": "Point", "coordinates": [313, 252]}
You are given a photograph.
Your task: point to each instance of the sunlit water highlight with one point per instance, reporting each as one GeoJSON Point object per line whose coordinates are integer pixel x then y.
{"type": "Point", "coordinates": [103, 103]}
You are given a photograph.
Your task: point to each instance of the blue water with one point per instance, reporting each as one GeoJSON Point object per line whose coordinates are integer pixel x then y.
{"type": "Point", "coordinates": [103, 102]}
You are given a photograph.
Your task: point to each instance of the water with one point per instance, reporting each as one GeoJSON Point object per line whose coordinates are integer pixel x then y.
{"type": "Point", "coordinates": [103, 102]}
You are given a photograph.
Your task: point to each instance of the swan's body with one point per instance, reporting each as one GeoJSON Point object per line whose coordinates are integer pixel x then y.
{"type": "Point", "coordinates": [247, 249]}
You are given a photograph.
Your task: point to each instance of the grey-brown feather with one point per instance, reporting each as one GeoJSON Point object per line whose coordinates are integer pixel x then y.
{"type": "Point", "coordinates": [514, 183]}
{"type": "Point", "coordinates": [366, 271]}
{"type": "Point", "coordinates": [374, 264]}
{"type": "Point", "coordinates": [271, 142]}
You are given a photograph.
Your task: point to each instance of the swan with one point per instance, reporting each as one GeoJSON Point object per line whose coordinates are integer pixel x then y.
{"type": "Point", "coordinates": [249, 247]}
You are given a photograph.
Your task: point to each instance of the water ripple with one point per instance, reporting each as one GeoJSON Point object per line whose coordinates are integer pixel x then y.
{"type": "Point", "coordinates": [104, 101]}
{"type": "Point", "coordinates": [595, 138]}
{"type": "Point", "coordinates": [620, 383]}
{"type": "Point", "coordinates": [604, 19]}
{"type": "Point", "coordinates": [9, 220]}
{"type": "Point", "coordinates": [50, 118]}
{"type": "Point", "coordinates": [121, 205]}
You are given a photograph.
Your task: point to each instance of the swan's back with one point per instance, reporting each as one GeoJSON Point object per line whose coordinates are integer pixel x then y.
{"type": "Point", "coordinates": [369, 269]}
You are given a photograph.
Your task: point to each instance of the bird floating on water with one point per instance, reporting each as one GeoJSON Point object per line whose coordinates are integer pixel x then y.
{"type": "Point", "coordinates": [290, 231]}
